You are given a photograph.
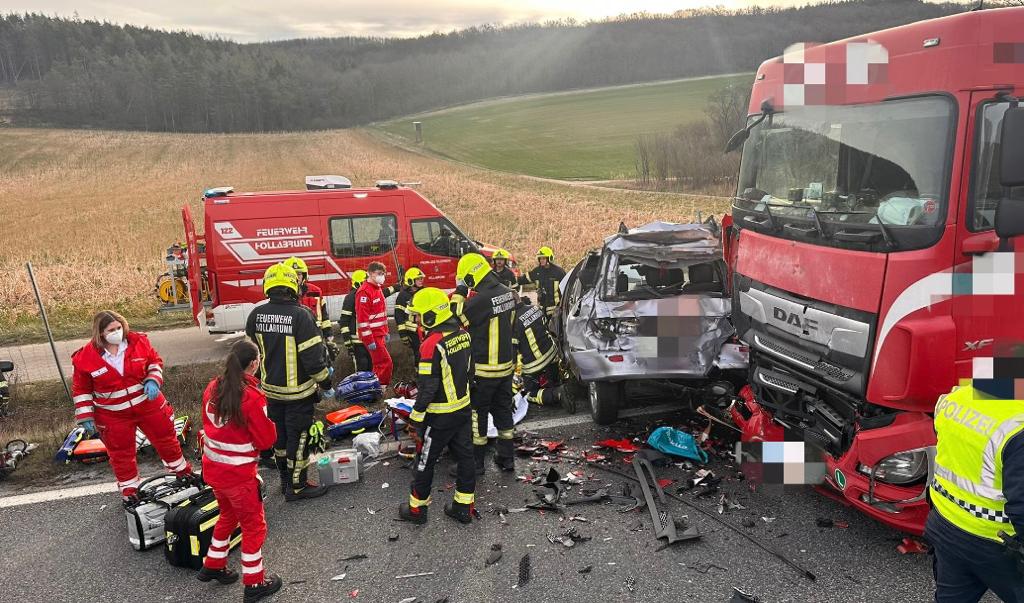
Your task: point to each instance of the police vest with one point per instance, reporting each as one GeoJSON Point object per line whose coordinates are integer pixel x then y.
{"type": "Point", "coordinates": [967, 487]}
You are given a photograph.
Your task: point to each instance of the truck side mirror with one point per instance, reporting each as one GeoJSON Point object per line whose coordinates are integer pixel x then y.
{"type": "Point", "coordinates": [1011, 137]}
{"type": "Point", "coordinates": [1009, 218]}
{"type": "Point", "coordinates": [6, 366]}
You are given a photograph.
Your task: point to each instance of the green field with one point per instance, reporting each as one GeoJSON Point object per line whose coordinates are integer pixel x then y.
{"type": "Point", "coordinates": [577, 135]}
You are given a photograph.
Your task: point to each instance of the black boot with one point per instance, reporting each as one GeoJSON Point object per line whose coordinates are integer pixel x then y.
{"type": "Point", "coordinates": [271, 584]}
{"type": "Point", "coordinates": [309, 491]}
{"type": "Point", "coordinates": [459, 512]}
{"type": "Point", "coordinates": [286, 481]}
{"type": "Point", "coordinates": [417, 516]}
{"type": "Point", "coordinates": [504, 455]}
{"type": "Point", "coordinates": [224, 576]}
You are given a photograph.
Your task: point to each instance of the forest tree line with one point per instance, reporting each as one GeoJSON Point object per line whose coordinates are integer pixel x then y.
{"type": "Point", "coordinates": [77, 73]}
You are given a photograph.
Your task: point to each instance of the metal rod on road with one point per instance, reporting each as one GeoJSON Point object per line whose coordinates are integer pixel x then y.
{"type": "Point", "coordinates": [49, 333]}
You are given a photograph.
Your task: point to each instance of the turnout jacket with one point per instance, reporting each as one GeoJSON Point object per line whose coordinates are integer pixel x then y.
{"type": "Point", "coordinates": [488, 317]}
{"type": "Point", "coordinates": [532, 338]}
{"type": "Point", "coordinates": [547, 279]}
{"type": "Point", "coordinates": [347, 323]}
{"type": "Point", "coordinates": [98, 388]}
{"type": "Point", "coordinates": [313, 298]}
{"type": "Point", "coordinates": [231, 451]}
{"type": "Point", "coordinates": [445, 371]}
{"type": "Point", "coordinates": [506, 277]}
{"type": "Point", "coordinates": [292, 353]}
{"type": "Point", "coordinates": [403, 317]}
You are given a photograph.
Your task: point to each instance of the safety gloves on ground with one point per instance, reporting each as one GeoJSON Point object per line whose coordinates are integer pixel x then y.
{"type": "Point", "coordinates": [89, 426]}
{"type": "Point", "coordinates": [152, 389]}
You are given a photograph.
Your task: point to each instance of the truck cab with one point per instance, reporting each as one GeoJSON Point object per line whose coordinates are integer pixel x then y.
{"type": "Point", "coordinates": [871, 271]}
{"type": "Point", "coordinates": [334, 227]}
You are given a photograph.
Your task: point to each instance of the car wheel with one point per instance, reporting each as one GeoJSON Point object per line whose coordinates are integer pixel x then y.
{"type": "Point", "coordinates": [604, 399]}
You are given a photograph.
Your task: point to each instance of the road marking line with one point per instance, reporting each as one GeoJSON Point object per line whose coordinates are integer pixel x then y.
{"type": "Point", "coordinates": [52, 495]}
{"type": "Point", "coordinates": [585, 418]}
{"type": "Point", "coordinates": [93, 489]}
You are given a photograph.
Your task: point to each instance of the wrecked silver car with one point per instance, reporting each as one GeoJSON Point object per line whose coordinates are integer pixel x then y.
{"type": "Point", "coordinates": [651, 305]}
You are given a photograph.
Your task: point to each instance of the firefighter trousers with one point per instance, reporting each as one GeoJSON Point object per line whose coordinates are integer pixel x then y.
{"type": "Point", "coordinates": [361, 358]}
{"type": "Point", "coordinates": [382, 365]}
{"type": "Point", "coordinates": [454, 432]}
{"type": "Point", "coordinates": [117, 430]}
{"type": "Point", "coordinates": [412, 339]}
{"type": "Point", "coordinates": [240, 505]}
{"type": "Point", "coordinates": [292, 420]}
{"type": "Point", "coordinates": [543, 387]}
{"type": "Point", "coordinates": [493, 397]}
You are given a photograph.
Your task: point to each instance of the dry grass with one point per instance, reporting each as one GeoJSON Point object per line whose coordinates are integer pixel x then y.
{"type": "Point", "coordinates": [94, 211]}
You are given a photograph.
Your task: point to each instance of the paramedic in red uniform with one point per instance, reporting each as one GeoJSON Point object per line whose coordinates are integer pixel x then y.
{"type": "Point", "coordinates": [235, 429]}
{"type": "Point", "coordinates": [372, 321]}
{"type": "Point", "coordinates": [116, 389]}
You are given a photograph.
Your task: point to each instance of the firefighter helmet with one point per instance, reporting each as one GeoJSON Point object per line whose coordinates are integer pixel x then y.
{"type": "Point", "coordinates": [472, 269]}
{"type": "Point", "coordinates": [432, 305]}
{"type": "Point", "coordinates": [501, 254]}
{"type": "Point", "coordinates": [546, 252]}
{"type": "Point", "coordinates": [411, 275]}
{"type": "Point", "coordinates": [358, 276]}
{"type": "Point", "coordinates": [280, 275]}
{"type": "Point", "coordinates": [297, 264]}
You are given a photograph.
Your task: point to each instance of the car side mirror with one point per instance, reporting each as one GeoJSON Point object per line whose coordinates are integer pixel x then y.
{"type": "Point", "coordinates": [1011, 168]}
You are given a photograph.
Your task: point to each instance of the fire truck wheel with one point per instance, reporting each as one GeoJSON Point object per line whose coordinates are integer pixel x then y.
{"type": "Point", "coordinates": [604, 398]}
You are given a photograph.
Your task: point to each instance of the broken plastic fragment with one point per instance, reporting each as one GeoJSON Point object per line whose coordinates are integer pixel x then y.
{"type": "Point", "coordinates": [912, 546]}
{"type": "Point", "coordinates": [768, 519]}
{"type": "Point", "coordinates": [587, 569]}
{"type": "Point", "coordinates": [622, 445]}
{"type": "Point", "coordinates": [524, 570]}
{"type": "Point", "coordinates": [495, 555]}
{"type": "Point", "coordinates": [338, 578]}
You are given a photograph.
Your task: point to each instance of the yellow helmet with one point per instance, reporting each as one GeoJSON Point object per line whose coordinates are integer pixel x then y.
{"type": "Point", "coordinates": [546, 252]}
{"type": "Point", "coordinates": [358, 276]}
{"type": "Point", "coordinates": [472, 269]}
{"type": "Point", "coordinates": [411, 275]}
{"type": "Point", "coordinates": [280, 275]}
{"type": "Point", "coordinates": [432, 305]}
{"type": "Point", "coordinates": [297, 264]}
{"type": "Point", "coordinates": [501, 254]}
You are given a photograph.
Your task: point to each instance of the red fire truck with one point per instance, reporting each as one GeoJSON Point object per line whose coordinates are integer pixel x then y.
{"type": "Point", "coordinates": [880, 196]}
{"type": "Point", "coordinates": [335, 228]}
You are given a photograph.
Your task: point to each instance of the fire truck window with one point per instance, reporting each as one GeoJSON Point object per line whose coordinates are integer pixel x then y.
{"type": "Point", "coordinates": [363, 236]}
{"type": "Point", "coordinates": [987, 192]}
{"type": "Point", "coordinates": [437, 237]}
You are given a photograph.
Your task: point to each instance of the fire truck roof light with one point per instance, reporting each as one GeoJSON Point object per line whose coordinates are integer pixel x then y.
{"type": "Point", "coordinates": [386, 184]}
{"type": "Point", "coordinates": [320, 183]}
{"type": "Point", "coordinates": [218, 191]}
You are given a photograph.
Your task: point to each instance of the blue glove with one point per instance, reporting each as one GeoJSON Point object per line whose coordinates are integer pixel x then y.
{"type": "Point", "coordinates": [152, 389]}
{"type": "Point", "coordinates": [330, 372]}
{"type": "Point", "coordinates": [89, 426]}
{"type": "Point", "coordinates": [327, 394]}
{"type": "Point", "coordinates": [387, 338]}
{"type": "Point", "coordinates": [372, 346]}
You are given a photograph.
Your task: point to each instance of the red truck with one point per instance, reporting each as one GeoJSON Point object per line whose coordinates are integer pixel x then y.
{"type": "Point", "coordinates": [880, 198]}
{"type": "Point", "coordinates": [335, 228]}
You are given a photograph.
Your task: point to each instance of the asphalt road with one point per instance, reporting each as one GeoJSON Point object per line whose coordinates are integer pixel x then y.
{"type": "Point", "coordinates": [77, 550]}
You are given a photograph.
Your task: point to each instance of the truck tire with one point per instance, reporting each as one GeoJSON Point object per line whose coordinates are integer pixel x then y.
{"type": "Point", "coordinates": [604, 398]}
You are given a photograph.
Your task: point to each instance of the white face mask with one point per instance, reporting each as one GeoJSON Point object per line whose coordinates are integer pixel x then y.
{"type": "Point", "coordinates": [379, 279]}
{"type": "Point", "coordinates": [115, 337]}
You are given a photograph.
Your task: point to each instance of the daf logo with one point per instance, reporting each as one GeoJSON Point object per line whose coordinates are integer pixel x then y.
{"type": "Point", "coordinates": [796, 320]}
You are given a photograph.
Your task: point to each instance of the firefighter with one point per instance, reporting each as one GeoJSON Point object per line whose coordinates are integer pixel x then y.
{"type": "Point", "coordinates": [347, 323]}
{"type": "Point", "coordinates": [294, 369]}
{"type": "Point", "coordinates": [116, 390]}
{"type": "Point", "coordinates": [488, 317]}
{"type": "Point", "coordinates": [536, 348]}
{"type": "Point", "coordinates": [408, 330]}
{"type": "Point", "coordinates": [235, 429]}
{"type": "Point", "coordinates": [372, 322]}
{"type": "Point", "coordinates": [442, 412]}
{"type": "Point", "coordinates": [499, 264]}
{"type": "Point", "coordinates": [312, 297]}
{"type": "Point", "coordinates": [546, 276]}
{"type": "Point", "coordinates": [977, 490]}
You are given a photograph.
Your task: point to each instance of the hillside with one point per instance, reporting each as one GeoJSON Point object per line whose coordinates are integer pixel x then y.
{"type": "Point", "coordinates": [75, 73]}
{"type": "Point", "coordinates": [574, 135]}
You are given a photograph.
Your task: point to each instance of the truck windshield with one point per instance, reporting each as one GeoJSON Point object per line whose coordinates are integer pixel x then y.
{"type": "Point", "coordinates": [863, 176]}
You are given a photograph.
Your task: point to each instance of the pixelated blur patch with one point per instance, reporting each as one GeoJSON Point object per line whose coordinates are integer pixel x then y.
{"type": "Point", "coordinates": [780, 465]}
{"type": "Point", "coordinates": [1008, 53]}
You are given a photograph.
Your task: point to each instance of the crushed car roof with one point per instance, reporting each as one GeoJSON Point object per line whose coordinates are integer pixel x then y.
{"type": "Point", "coordinates": [668, 242]}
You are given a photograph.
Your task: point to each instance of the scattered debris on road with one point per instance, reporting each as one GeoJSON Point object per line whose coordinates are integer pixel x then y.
{"type": "Point", "coordinates": [495, 556]}
{"type": "Point", "coordinates": [912, 546]}
{"type": "Point", "coordinates": [524, 571]}
{"type": "Point", "coordinates": [419, 575]}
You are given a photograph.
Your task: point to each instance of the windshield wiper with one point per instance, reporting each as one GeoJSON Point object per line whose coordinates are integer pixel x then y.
{"type": "Point", "coordinates": [890, 241]}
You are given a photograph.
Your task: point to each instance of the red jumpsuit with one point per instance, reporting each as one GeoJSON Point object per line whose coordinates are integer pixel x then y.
{"type": "Point", "coordinates": [372, 327]}
{"type": "Point", "coordinates": [118, 405]}
{"type": "Point", "coordinates": [230, 456]}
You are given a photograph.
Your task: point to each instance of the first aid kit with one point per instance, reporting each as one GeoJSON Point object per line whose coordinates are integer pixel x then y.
{"type": "Point", "coordinates": [189, 529]}
{"type": "Point", "coordinates": [146, 516]}
{"type": "Point", "coordinates": [338, 467]}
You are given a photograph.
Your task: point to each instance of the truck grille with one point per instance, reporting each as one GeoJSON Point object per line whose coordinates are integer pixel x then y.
{"type": "Point", "coordinates": [833, 371]}
{"type": "Point", "coordinates": [778, 382]}
{"type": "Point", "coordinates": [836, 373]}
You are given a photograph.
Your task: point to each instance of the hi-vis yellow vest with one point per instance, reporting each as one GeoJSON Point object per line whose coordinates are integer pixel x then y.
{"type": "Point", "coordinates": [967, 487]}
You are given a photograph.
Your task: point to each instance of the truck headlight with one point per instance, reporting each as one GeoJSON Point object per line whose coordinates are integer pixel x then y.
{"type": "Point", "coordinates": [901, 468]}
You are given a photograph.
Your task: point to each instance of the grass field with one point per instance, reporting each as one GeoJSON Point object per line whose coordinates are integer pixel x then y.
{"type": "Point", "coordinates": [94, 211]}
{"type": "Point", "coordinates": [579, 135]}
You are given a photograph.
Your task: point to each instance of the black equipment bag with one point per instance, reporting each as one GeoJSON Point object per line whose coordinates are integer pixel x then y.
{"type": "Point", "coordinates": [156, 496]}
{"type": "Point", "coordinates": [189, 527]}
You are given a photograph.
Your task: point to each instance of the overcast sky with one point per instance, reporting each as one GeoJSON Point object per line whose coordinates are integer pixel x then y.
{"type": "Point", "coordinates": [254, 20]}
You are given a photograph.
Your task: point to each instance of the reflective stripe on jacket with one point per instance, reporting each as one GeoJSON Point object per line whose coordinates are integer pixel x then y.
{"type": "Point", "coordinates": [231, 451]}
{"type": "Point", "coordinates": [98, 386]}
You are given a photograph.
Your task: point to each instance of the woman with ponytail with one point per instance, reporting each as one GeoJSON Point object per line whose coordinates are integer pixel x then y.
{"type": "Point", "coordinates": [235, 429]}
